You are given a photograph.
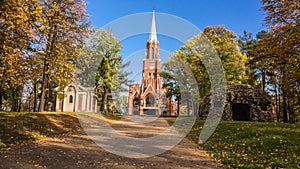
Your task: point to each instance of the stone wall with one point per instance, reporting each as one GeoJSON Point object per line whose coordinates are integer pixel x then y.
{"type": "Point", "coordinates": [243, 103]}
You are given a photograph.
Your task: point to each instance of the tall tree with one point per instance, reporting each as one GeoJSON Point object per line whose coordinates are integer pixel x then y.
{"type": "Point", "coordinates": [225, 43]}
{"type": "Point", "coordinates": [279, 52]}
{"type": "Point", "coordinates": [246, 43]}
{"type": "Point", "coordinates": [258, 68]}
{"type": "Point", "coordinates": [171, 85]}
{"type": "Point", "coordinates": [19, 22]}
{"type": "Point", "coordinates": [104, 63]}
{"type": "Point", "coordinates": [108, 67]}
{"type": "Point", "coordinates": [281, 12]}
{"type": "Point", "coordinates": [65, 27]}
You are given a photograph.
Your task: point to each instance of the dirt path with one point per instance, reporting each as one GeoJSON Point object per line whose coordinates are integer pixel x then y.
{"type": "Point", "coordinates": [79, 151]}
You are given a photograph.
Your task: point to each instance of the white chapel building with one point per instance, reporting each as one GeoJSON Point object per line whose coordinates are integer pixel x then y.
{"type": "Point", "coordinates": [76, 98]}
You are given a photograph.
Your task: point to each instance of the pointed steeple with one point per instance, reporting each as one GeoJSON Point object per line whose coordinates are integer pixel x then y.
{"type": "Point", "coordinates": [153, 36]}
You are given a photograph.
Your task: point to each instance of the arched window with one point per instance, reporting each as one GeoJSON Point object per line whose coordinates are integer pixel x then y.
{"type": "Point", "coordinates": [150, 101]}
{"type": "Point", "coordinates": [136, 102]}
{"type": "Point", "coordinates": [153, 53]}
{"type": "Point", "coordinates": [147, 54]}
{"type": "Point", "coordinates": [71, 99]}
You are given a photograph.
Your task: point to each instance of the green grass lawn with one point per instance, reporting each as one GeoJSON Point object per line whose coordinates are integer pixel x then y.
{"type": "Point", "coordinates": [113, 116]}
{"type": "Point", "coordinates": [253, 145]}
{"type": "Point", "coordinates": [235, 144]}
{"type": "Point", "coordinates": [20, 128]}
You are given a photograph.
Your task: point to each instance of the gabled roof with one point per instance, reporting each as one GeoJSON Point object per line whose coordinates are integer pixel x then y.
{"type": "Point", "coordinates": [148, 90]}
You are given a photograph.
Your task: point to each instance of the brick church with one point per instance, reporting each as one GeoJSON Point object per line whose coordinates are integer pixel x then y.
{"type": "Point", "coordinates": [148, 98]}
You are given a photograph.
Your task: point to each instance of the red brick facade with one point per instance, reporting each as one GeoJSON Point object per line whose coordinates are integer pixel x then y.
{"type": "Point", "coordinates": [148, 97]}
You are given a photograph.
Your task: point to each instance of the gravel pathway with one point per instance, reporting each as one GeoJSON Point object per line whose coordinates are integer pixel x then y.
{"type": "Point", "coordinates": [79, 151]}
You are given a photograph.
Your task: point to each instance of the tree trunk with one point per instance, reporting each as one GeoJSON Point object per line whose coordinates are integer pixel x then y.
{"type": "Point", "coordinates": [49, 49]}
{"type": "Point", "coordinates": [279, 106]}
{"type": "Point", "coordinates": [54, 103]}
{"type": "Point", "coordinates": [43, 90]}
{"type": "Point", "coordinates": [19, 106]}
{"type": "Point", "coordinates": [298, 98]}
{"type": "Point", "coordinates": [178, 107]}
{"type": "Point", "coordinates": [2, 86]}
{"type": "Point", "coordinates": [52, 100]}
{"type": "Point", "coordinates": [46, 107]}
{"type": "Point", "coordinates": [1, 97]}
{"type": "Point", "coordinates": [290, 111]}
{"type": "Point", "coordinates": [276, 104]}
{"type": "Point", "coordinates": [285, 112]}
{"type": "Point", "coordinates": [188, 107]}
{"type": "Point", "coordinates": [263, 77]}
{"type": "Point", "coordinates": [14, 101]}
{"type": "Point", "coordinates": [20, 94]}
{"type": "Point", "coordinates": [105, 102]}
{"type": "Point", "coordinates": [298, 94]}
{"type": "Point", "coordinates": [102, 102]}
{"type": "Point", "coordinates": [35, 97]}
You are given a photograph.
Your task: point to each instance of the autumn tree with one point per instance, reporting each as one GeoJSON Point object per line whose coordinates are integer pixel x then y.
{"type": "Point", "coordinates": [19, 27]}
{"type": "Point", "coordinates": [225, 46]}
{"type": "Point", "coordinates": [279, 54]}
{"type": "Point", "coordinates": [65, 27]}
{"type": "Point", "coordinates": [225, 42]}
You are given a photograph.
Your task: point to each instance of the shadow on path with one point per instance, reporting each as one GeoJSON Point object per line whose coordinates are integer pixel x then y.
{"type": "Point", "coordinates": [79, 151]}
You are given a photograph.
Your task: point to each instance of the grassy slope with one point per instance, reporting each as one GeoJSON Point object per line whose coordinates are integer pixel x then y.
{"type": "Point", "coordinates": [20, 128]}
{"type": "Point", "coordinates": [253, 145]}
{"type": "Point", "coordinates": [111, 118]}
{"type": "Point", "coordinates": [235, 144]}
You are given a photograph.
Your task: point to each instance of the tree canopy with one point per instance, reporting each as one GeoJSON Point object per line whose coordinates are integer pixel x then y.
{"type": "Point", "coordinates": [40, 42]}
{"type": "Point", "coordinates": [225, 45]}
{"type": "Point", "coordinates": [100, 65]}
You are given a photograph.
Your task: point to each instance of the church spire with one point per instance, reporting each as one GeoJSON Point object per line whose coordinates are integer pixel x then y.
{"type": "Point", "coordinates": [153, 36]}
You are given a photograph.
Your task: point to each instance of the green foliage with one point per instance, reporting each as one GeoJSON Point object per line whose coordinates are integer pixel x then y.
{"type": "Point", "coordinates": [252, 145]}
{"type": "Point", "coordinates": [246, 43]}
{"type": "Point", "coordinates": [108, 47]}
{"type": "Point", "coordinates": [180, 83]}
{"type": "Point", "coordinates": [22, 128]}
{"type": "Point", "coordinates": [170, 84]}
{"type": "Point", "coordinates": [100, 64]}
{"type": "Point", "coordinates": [234, 62]}
{"type": "Point", "coordinates": [225, 45]}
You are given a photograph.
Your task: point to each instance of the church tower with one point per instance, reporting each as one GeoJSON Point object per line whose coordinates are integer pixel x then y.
{"type": "Point", "coordinates": [151, 62]}
{"type": "Point", "coordinates": [146, 98]}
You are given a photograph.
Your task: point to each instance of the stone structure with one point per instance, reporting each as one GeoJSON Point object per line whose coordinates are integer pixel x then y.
{"type": "Point", "coordinates": [148, 98]}
{"type": "Point", "coordinates": [75, 98]}
{"type": "Point", "coordinates": [242, 103]}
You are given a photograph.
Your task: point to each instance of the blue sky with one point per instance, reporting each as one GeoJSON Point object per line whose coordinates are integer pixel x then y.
{"type": "Point", "coordinates": [236, 15]}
